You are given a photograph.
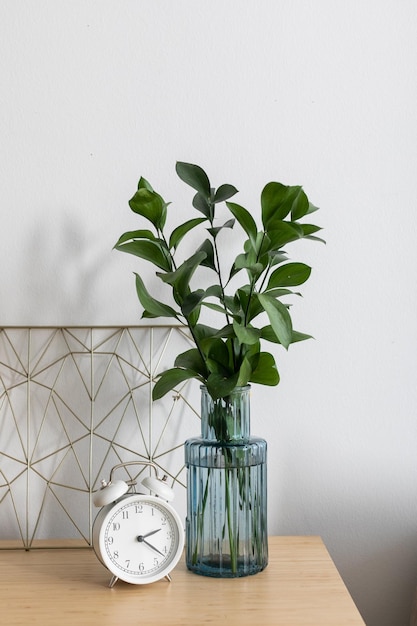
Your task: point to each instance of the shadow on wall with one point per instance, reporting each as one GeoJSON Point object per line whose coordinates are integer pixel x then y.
{"type": "Point", "coordinates": [382, 582]}
{"type": "Point", "coordinates": [371, 537]}
{"type": "Point", "coordinates": [375, 550]}
{"type": "Point", "coordinates": [57, 275]}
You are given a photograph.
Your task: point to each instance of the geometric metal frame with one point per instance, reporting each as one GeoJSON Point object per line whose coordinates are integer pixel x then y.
{"type": "Point", "coordinates": [74, 402]}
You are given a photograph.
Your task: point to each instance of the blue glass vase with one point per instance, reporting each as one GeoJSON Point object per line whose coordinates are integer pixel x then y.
{"type": "Point", "coordinates": [226, 525]}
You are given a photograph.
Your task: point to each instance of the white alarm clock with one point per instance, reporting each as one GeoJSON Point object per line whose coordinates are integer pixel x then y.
{"type": "Point", "coordinates": [138, 537]}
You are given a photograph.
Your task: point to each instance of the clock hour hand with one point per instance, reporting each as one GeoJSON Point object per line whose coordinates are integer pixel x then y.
{"type": "Point", "coordinates": [151, 533]}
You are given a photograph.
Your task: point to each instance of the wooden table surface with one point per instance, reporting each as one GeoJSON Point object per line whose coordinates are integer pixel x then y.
{"type": "Point", "coordinates": [301, 586]}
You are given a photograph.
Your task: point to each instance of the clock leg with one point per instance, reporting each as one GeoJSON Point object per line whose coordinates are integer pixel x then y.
{"type": "Point", "coordinates": [168, 578]}
{"type": "Point", "coordinates": [113, 581]}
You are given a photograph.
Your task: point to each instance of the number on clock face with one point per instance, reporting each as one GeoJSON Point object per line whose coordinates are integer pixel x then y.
{"type": "Point", "coordinates": [140, 538]}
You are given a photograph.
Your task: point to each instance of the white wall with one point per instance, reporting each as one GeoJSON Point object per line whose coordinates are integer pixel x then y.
{"type": "Point", "coordinates": [95, 93]}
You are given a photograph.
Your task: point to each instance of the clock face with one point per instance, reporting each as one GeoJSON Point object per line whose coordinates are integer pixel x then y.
{"type": "Point", "coordinates": [140, 538]}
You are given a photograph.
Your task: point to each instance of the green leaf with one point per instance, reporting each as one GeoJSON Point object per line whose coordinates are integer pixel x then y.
{"type": "Point", "coordinates": [152, 306]}
{"type": "Point", "coordinates": [207, 248]}
{"type": "Point", "coordinates": [281, 233]}
{"type": "Point", "coordinates": [297, 336]}
{"type": "Point", "coordinates": [310, 229]}
{"type": "Point", "coordinates": [268, 334]}
{"type": "Point", "coordinates": [214, 307]}
{"type": "Point", "coordinates": [216, 367]}
{"type": "Point", "coordinates": [195, 298]}
{"type": "Point", "coordinates": [180, 278]}
{"type": "Point", "coordinates": [135, 234]}
{"type": "Point", "coordinates": [246, 334]}
{"type": "Point", "coordinates": [202, 331]}
{"type": "Point", "coordinates": [249, 303]}
{"type": "Point", "coordinates": [245, 219]}
{"type": "Point", "coordinates": [216, 349]}
{"type": "Point", "coordinates": [217, 354]}
{"type": "Point", "coordinates": [232, 304]}
{"type": "Point", "coordinates": [215, 230]}
{"type": "Point", "coordinates": [233, 271]}
{"type": "Point", "coordinates": [179, 232]}
{"type": "Point", "coordinates": [312, 208]}
{"type": "Point", "coordinates": [219, 387]}
{"type": "Point", "coordinates": [277, 257]}
{"type": "Point", "coordinates": [245, 372]}
{"type": "Point", "coordinates": [191, 360]}
{"type": "Point", "coordinates": [169, 380]}
{"type": "Point", "coordinates": [313, 238]}
{"type": "Point", "coordinates": [150, 205]}
{"type": "Point", "coordinates": [300, 205]}
{"type": "Point", "coordinates": [266, 372]}
{"type": "Point", "coordinates": [147, 315]}
{"type": "Point", "coordinates": [289, 275]}
{"type": "Point", "coordinates": [224, 192]}
{"type": "Point", "coordinates": [245, 261]}
{"type": "Point", "coordinates": [192, 301]}
{"type": "Point", "coordinates": [193, 317]}
{"type": "Point", "coordinates": [214, 291]}
{"type": "Point", "coordinates": [150, 250]}
{"type": "Point", "coordinates": [194, 176]}
{"type": "Point", "coordinates": [279, 318]}
{"type": "Point", "coordinates": [201, 203]}
{"type": "Point", "coordinates": [144, 184]}
{"type": "Point", "coordinates": [276, 202]}
{"type": "Point", "coordinates": [279, 292]}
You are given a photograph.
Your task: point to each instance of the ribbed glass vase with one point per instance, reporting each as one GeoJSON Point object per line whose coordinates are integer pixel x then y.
{"type": "Point", "coordinates": [226, 526]}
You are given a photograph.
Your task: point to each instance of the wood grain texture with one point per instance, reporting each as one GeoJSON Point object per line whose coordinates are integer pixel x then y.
{"type": "Point", "coordinates": [301, 586]}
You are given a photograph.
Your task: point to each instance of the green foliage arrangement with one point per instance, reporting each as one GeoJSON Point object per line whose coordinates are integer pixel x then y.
{"type": "Point", "coordinates": [230, 355]}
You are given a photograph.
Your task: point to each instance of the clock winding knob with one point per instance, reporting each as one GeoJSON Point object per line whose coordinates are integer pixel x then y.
{"type": "Point", "coordinates": [110, 492]}
{"type": "Point", "coordinates": [159, 488]}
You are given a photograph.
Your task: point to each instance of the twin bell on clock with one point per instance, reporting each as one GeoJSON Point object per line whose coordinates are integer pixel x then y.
{"type": "Point", "coordinates": [138, 537]}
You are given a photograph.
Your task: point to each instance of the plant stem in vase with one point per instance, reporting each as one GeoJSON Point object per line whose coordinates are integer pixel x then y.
{"type": "Point", "coordinates": [226, 526]}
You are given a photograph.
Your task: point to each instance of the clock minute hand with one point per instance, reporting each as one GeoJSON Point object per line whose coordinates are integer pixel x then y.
{"type": "Point", "coordinates": [153, 547]}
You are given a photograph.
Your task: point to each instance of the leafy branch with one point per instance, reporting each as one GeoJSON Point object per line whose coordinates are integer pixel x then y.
{"type": "Point", "coordinates": [230, 355]}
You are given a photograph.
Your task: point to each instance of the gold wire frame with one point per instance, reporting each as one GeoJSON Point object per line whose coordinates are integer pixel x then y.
{"type": "Point", "coordinates": [74, 402]}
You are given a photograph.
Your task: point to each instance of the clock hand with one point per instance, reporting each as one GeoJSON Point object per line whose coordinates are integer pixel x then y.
{"type": "Point", "coordinates": [151, 533]}
{"type": "Point", "coordinates": [152, 547]}
{"type": "Point", "coordinates": [142, 539]}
